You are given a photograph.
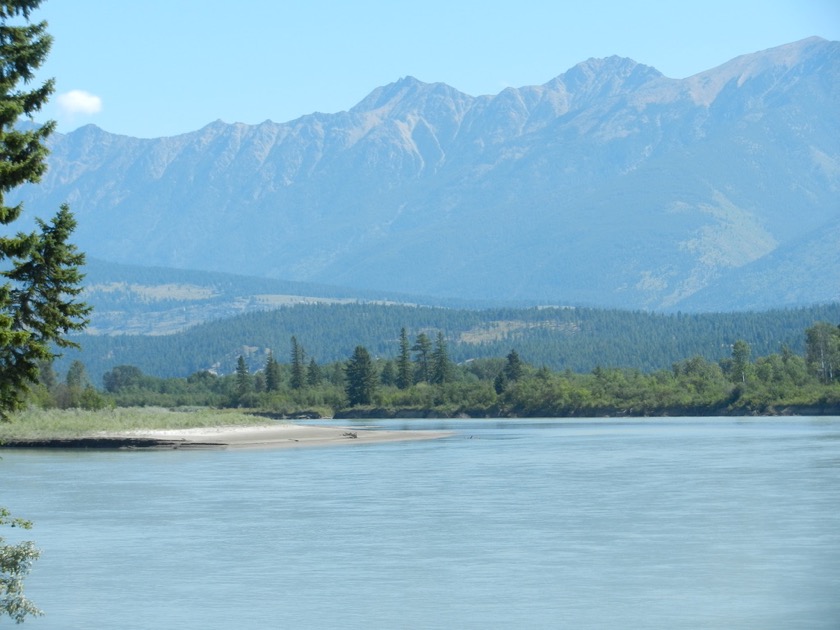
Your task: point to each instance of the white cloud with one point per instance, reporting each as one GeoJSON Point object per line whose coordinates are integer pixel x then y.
{"type": "Point", "coordinates": [79, 102]}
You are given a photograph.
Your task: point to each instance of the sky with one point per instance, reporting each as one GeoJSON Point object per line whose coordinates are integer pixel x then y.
{"type": "Point", "coordinates": [165, 67]}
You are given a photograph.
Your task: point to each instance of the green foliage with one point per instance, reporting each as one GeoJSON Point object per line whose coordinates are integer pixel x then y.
{"type": "Point", "coordinates": [243, 381]}
{"type": "Point", "coordinates": [441, 370]}
{"type": "Point", "coordinates": [577, 339]}
{"type": "Point", "coordinates": [122, 377]}
{"type": "Point", "coordinates": [482, 387]}
{"type": "Point", "coordinates": [361, 378]}
{"type": "Point", "coordinates": [33, 424]}
{"type": "Point", "coordinates": [388, 374]}
{"type": "Point", "coordinates": [298, 378]}
{"type": "Point", "coordinates": [823, 351]}
{"type": "Point", "coordinates": [740, 366]}
{"type": "Point", "coordinates": [41, 269]}
{"type": "Point", "coordinates": [423, 348]}
{"type": "Point", "coordinates": [514, 368]}
{"type": "Point", "coordinates": [313, 374]}
{"type": "Point", "coordinates": [404, 378]}
{"type": "Point", "coordinates": [15, 563]}
{"type": "Point", "coordinates": [272, 373]}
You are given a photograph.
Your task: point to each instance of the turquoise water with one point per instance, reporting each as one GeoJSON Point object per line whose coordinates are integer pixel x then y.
{"type": "Point", "coordinates": [687, 523]}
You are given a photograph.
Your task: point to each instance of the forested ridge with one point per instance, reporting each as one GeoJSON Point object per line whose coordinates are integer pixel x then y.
{"type": "Point", "coordinates": [420, 378]}
{"type": "Point", "coordinates": [576, 339]}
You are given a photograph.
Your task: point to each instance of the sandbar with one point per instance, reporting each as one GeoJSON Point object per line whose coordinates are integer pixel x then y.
{"type": "Point", "coordinates": [269, 436]}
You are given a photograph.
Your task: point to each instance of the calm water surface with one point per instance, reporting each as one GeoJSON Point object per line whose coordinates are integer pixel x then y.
{"type": "Point", "coordinates": [686, 523]}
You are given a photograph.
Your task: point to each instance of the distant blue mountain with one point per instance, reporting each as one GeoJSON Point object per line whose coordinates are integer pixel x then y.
{"type": "Point", "coordinates": [610, 185]}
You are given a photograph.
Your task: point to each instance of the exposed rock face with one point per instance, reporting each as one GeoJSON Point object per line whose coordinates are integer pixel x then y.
{"type": "Point", "coordinates": [609, 185]}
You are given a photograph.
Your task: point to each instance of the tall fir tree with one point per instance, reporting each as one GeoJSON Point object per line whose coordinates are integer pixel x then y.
{"type": "Point", "coordinates": [360, 383]}
{"type": "Point", "coordinates": [514, 368]}
{"type": "Point", "coordinates": [388, 374]}
{"type": "Point", "coordinates": [423, 349]}
{"type": "Point", "coordinates": [441, 370]}
{"type": "Point", "coordinates": [38, 306]}
{"type": "Point", "coordinates": [298, 356]}
{"type": "Point", "coordinates": [313, 374]}
{"type": "Point", "coordinates": [243, 379]}
{"type": "Point", "coordinates": [272, 373]}
{"type": "Point", "coordinates": [403, 378]}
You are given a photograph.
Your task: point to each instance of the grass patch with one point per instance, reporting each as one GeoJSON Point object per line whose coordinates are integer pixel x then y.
{"type": "Point", "coordinates": [75, 423]}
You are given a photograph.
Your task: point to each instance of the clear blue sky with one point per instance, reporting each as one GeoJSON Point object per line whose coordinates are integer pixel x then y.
{"type": "Point", "coordinates": [155, 68]}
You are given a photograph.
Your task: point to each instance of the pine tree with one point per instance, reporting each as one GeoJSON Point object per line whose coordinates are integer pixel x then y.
{"type": "Point", "coordinates": [41, 269]}
{"type": "Point", "coordinates": [272, 373]}
{"type": "Point", "coordinates": [441, 367]}
{"type": "Point", "coordinates": [423, 348]}
{"type": "Point", "coordinates": [243, 379]}
{"type": "Point", "coordinates": [298, 379]}
{"type": "Point", "coordinates": [361, 378]}
{"type": "Point", "coordinates": [403, 378]}
{"type": "Point", "coordinates": [313, 374]}
{"type": "Point", "coordinates": [77, 375]}
{"type": "Point", "coordinates": [514, 368]}
{"type": "Point", "coordinates": [388, 375]}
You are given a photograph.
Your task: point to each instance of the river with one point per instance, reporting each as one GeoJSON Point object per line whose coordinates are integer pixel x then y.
{"type": "Point", "coordinates": [646, 523]}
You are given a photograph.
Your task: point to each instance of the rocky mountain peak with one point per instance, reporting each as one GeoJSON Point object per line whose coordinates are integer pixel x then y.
{"type": "Point", "coordinates": [389, 96]}
{"type": "Point", "coordinates": [705, 87]}
{"type": "Point", "coordinates": [610, 184]}
{"type": "Point", "coordinates": [606, 76]}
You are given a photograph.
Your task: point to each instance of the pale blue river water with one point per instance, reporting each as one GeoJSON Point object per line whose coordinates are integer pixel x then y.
{"type": "Point", "coordinates": [680, 523]}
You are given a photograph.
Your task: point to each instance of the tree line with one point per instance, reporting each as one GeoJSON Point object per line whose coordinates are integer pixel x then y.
{"type": "Point", "coordinates": [420, 375]}
{"type": "Point", "coordinates": [577, 339]}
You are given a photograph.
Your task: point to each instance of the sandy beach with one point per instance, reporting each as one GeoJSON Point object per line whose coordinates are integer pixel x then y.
{"type": "Point", "coordinates": [269, 436]}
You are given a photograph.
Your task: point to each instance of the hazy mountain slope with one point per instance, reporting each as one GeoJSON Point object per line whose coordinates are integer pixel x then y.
{"type": "Point", "coordinates": [136, 300]}
{"type": "Point", "coordinates": [610, 185]}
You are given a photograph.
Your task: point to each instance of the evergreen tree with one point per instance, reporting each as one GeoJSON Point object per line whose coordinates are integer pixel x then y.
{"type": "Point", "coordinates": [361, 378]}
{"type": "Point", "coordinates": [313, 374]}
{"type": "Point", "coordinates": [46, 374]}
{"type": "Point", "coordinates": [441, 370]}
{"type": "Point", "coordinates": [298, 378]}
{"type": "Point", "coordinates": [423, 348]}
{"type": "Point", "coordinates": [388, 376]}
{"type": "Point", "coordinates": [500, 382]}
{"type": "Point", "coordinates": [41, 268]}
{"type": "Point", "coordinates": [121, 377]}
{"type": "Point", "coordinates": [77, 376]}
{"type": "Point", "coordinates": [243, 379]}
{"type": "Point", "coordinates": [514, 368]}
{"type": "Point", "coordinates": [403, 378]}
{"type": "Point", "coordinates": [272, 373]}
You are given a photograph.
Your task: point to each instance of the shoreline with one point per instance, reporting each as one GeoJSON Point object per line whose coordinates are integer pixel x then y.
{"type": "Point", "coordinates": [238, 437]}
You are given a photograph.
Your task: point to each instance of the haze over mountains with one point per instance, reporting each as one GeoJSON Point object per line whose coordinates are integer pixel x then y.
{"type": "Point", "coordinates": [610, 185]}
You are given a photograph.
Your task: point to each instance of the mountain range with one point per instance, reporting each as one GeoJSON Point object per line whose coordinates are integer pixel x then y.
{"type": "Point", "coordinates": [610, 185]}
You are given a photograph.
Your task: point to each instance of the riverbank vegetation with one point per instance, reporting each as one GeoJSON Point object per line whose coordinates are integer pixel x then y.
{"type": "Point", "coordinates": [420, 379]}
{"type": "Point", "coordinates": [39, 423]}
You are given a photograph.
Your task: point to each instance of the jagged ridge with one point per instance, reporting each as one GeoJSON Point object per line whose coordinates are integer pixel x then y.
{"type": "Point", "coordinates": [610, 184]}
